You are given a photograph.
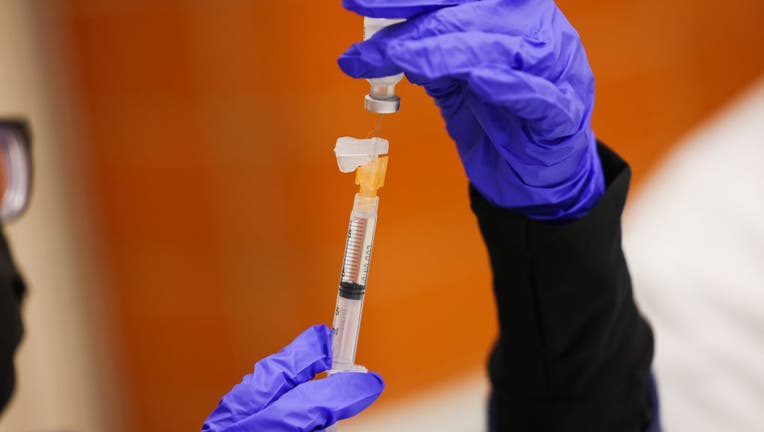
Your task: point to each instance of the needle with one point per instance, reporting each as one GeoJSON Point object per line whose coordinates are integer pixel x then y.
{"type": "Point", "coordinates": [379, 125]}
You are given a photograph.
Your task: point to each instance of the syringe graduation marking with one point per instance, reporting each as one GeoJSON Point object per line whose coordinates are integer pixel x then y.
{"type": "Point", "coordinates": [351, 265]}
{"type": "Point", "coordinates": [354, 250]}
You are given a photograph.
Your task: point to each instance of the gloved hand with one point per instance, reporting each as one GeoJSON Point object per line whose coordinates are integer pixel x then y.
{"type": "Point", "coordinates": [514, 85]}
{"type": "Point", "coordinates": [280, 396]}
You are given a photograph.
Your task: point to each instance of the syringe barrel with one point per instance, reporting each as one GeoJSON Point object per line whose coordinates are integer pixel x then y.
{"type": "Point", "coordinates": [347, 323]}
{"type": "Point", "coordinates": [352, 286]}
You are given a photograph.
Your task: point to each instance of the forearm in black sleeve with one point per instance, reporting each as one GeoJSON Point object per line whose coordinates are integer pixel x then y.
{"type": "Point", "coordinates": [573, 352]}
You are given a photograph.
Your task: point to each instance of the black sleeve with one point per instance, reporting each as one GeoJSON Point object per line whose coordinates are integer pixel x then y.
{"type": "Point", "coordinates": [12, 290]}
{"type": "Point", "coordinates": [573, 353]}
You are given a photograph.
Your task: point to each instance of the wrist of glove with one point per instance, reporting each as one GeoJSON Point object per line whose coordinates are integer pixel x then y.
{"type": "Point", "coordinates": [281, 395]}
{"type": "Point", "coordinates": [514, 86]}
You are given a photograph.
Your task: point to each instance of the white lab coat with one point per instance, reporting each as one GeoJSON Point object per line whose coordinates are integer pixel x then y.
{"type": "Point", "coordinates": [694, 238]}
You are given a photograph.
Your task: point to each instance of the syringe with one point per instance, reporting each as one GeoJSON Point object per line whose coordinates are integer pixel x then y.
{"type": "Point", "coordinates": [370, 176]}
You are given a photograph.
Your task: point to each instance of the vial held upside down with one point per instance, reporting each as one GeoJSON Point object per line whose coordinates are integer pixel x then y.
{"type": "Point", "coordinates": [381, 98]}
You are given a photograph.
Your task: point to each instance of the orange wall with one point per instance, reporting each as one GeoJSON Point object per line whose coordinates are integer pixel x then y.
{"type": "Point", "coordinates": [210, 129]}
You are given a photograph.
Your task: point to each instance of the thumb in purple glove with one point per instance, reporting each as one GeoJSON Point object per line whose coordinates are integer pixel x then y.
{"type": "Point", "coordinates": [280, 394]}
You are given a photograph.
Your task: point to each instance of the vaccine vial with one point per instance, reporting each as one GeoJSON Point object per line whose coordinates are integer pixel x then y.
{"type": "Point", "coordinates": [381, 98]}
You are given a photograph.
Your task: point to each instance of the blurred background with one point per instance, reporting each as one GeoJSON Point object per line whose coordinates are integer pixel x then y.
{"type": "Point", "coordinates": [188, 217]}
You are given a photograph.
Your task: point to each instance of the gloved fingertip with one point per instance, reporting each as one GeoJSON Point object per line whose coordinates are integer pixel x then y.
{"type": "Point", "coordinates": [322, 333]}
{"type": "Point", "coordinates": [369, 384]}
{"type": "Point", "coordinates": [324, 330]}
{"type": "Point", "coordinates": [351, 63]}
{"type": "Point", "coordinates": [325, 334]}
{"type": "Point", "coordinates": [308, 354]}
{"type": "Point", "coordinates": [367, 59]}
{"type": "Point", "coordinates": [379, 379]}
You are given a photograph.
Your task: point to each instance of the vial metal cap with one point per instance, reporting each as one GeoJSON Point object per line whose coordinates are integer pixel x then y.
{"type": "Point", "coordinates": [382, 106]}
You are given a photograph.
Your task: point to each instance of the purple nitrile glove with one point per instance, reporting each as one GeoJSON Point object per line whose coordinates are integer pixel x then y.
{"type": "Point", "coordinates": [514, 85]}
{"type": "Point", "coordinates": [280, 395]}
